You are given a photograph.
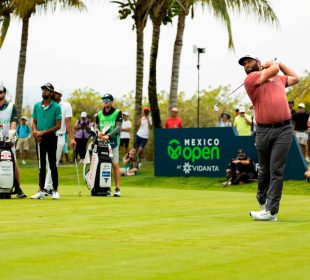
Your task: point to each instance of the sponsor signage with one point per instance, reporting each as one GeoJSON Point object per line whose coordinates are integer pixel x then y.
{"type": "Point", "coordinates": [207, 152]}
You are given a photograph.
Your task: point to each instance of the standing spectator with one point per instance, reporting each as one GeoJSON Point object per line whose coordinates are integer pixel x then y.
{"type": "Point", "coordinates": [66, 113]}
{"type": "Point", "coordinates": [174, 121]}
{"type": "Point", "coordinates": [274, 130]}
{"type": "Point", "coordinates": [243, 123]}
{"type": "Point", "coordinates": [23, 132]}
{"type": "Point", "coordinates": [237, 113]}
{"type": "Point", "coordinates": [82, 128]}
{"type": "Point", "coordinates": [291, 104]}
{"type": "Point", "coordinates": [300, 121]}
{"type": "Point", "coordinates": [143, 131]}
{"type": "Point", "coordinates": [46, 121]}
{"type": "Point", "coordinates": [224, 119]}
{"type": "Point", "coordinates": [308, 159]}
{"type": "Point", "coordinates": [125, 132]}
{"type": "Point", "coordinates": [8, 121]}
{"type": "Point", "coordinates": [109, 122]}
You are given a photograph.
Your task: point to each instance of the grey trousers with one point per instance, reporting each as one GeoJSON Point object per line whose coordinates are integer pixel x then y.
{"type": "Point", "coordinates": [272, 145]}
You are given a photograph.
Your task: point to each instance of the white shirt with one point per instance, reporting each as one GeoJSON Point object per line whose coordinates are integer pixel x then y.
{"type": "Point", "coordinates": [126, 134]}
{"type": "Point", "coordinates": [144, 130]}
{"type": "Point", "coordinates": [66, 112]}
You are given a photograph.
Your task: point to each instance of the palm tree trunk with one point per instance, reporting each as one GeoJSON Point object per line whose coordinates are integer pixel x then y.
{"type": "Point", "coordinates": [22, 66]}
{"type": "Point", "coordinates": [139, 77]}
{"type": "Point", "coordinates": [152, 87]}
{"type": "Point", "coordinates": [178, 44]}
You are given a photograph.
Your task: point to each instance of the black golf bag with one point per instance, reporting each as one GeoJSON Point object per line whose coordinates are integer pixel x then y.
{"type": "Point", "coordinates": [7, 170]}
{"type": "Point", "coordinates": [97, 169]}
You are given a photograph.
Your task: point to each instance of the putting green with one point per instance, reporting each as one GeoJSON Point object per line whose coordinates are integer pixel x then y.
{"type": "Point", "coordinates": [152, 233]}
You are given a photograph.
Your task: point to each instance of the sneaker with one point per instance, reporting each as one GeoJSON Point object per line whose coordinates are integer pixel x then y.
{"type": "Point", "coordinates": [21, 195]}
{"type": "Point", "coordinates": [48, 192]}
{"type": "Point", "coordinates": [38, 195]}
{"type": "Point", "coordinates": [55, 195]}
{"type": "Point", "coordinates": [23, 162]}
{"type": "Point", "coordinates": [263, 215]}
{"type": "Point", "coordinates": [117, 192]}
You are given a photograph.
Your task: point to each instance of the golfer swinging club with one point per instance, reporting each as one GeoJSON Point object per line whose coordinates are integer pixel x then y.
{"type": "Point", "coordinates": [274, 133]}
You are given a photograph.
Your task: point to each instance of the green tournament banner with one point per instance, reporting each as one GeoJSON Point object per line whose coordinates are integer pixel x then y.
{"type": "Point", "coordinates": [207, 152]}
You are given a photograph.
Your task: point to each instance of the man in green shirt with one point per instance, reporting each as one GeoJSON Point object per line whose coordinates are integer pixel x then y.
{"type": "Point", "coordinates": [46, 121]}
{"type": "Point", "coordinates": [109, 123]}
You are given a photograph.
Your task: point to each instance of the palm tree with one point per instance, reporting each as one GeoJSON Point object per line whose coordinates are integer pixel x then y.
{"type": "Point", "coordinates": [220, 8]}
{"type": "Point", "coordinates": [158, 14]}
{"type": "Point", "coordinates": [139, 10]}
{"type": "Point", "coordinates": [24, 10]}
{"type": "Point", "coordinates": [6, 9]}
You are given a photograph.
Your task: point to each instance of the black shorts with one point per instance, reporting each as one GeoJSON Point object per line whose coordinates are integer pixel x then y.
{"type": "Point", "coordinates": [124, 142]}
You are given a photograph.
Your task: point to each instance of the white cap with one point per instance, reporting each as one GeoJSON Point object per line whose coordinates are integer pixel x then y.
{"type": "Point", "coordinates": [174, 109]}
{"type": "Point", "coordinates": [58, 90]}
{"type": "Point", "coordinates": [302, 105]}
{"type": "Point", "coordinates": [83, 115]}
{"type": "Point", "coordinates": [126, 113]}
{"type": "Point", "coordinates": [242, 109]}
{"type": "Point", "coordinates": [25, 118]}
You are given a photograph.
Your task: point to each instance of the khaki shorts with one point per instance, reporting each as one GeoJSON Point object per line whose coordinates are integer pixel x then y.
{"type": "Point", "coordinates": [115, 152]}
{"type": "Point", "coordinates": [302, 137]}
{"type": "Point", "coordinates": [22, 144]}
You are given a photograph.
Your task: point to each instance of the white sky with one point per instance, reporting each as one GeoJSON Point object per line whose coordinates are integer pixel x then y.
{"type": "Point", "coordinates": [95, 49]}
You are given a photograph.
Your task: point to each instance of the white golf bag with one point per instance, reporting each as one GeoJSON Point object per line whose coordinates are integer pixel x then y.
{"type": "Point", "coordinates": [97, 169]}
{"type": "Point", "coordinates": [7, 167]}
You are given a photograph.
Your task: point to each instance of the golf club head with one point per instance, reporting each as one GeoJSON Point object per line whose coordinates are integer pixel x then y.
{"type": "Point", "coordinates": [216, 107]}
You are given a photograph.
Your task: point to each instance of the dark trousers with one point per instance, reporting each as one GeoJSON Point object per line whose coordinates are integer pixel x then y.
{"type": "Point", "coordinates": [272, 145]}
{"type": "Point", "coordinates": [47, 146]}
{"type": "Point", "coordinates": [80, 147]}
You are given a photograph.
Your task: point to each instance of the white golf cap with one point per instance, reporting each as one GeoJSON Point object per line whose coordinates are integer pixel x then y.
{"type": "Point", "coordinates": [58, 90]}
{"type": "Point", "coordinates": [302, 105]}
{"type": "Point", "coordinates": [24, 118]}
{"type": "Point", "coordinates": [174, 109]}
{"type": "Point", "coordinates": [242, 109]}
{"type": "Point", "coordinates": [83, 115]}
{"type": "Point", "coordinates": [126, 113]}
{"type": "Point", "coordinates": [242, 59]}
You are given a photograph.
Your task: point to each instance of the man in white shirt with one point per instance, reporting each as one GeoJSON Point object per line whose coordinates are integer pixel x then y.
{"type": "Point", "coordinates": [66, 127]}
{"type": "Point", "coordinates": [125, 132]}
{"type": "Point", "coordinates": [143, 131]}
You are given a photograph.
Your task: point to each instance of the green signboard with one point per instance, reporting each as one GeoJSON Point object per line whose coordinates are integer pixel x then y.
{"type": "Point", "coordinates": [207, 152]}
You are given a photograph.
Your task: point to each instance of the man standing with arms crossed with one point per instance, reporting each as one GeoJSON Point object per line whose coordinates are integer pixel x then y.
{"type": "Point", "coordinates": [111, 118]}
{"type": "Point", "coordinates": [66, 112]}
{"type": "Point", "coordinates": [274, 133]}
{"type": "Point", "coordinates": [46, 121]}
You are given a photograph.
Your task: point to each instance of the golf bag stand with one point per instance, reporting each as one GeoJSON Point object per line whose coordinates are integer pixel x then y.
{"type": "Point", "coordinates": [7, 170]}
{"type": "Point", "coordinates": [97, 169]}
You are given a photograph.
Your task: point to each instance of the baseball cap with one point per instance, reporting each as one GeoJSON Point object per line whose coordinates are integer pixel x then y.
{"type": "Point", "coordinates": [302, 105]}
{"type": "Point", "coordinates": [83, 115]}
{"type": "Point", "coordinates": [2, 89]}
{"type": "Point", "coordinates": [24, 118]}
{"type": "Point", "coordinates": [146, 108]}
{"type": "Point", "coordinates": [58, 90]}
{"type": "Point", "coordinates": [242, 109]}
{"type": "Point", "coordinates": [174, 109]}
{"type": "Point", "coordinates": [242, 59]}
{"type": "Point", "coordinates": [48, 86]}
{"type": "Point", "coordinates": [126, 113]}
{"type": "Point", "coordinates": [107, 97]}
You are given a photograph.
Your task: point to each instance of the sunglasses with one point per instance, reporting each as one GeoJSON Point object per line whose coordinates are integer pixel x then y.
{"type": "Point", "coordinates": [1, 92]}
{"type": "Point", "coordinates": [106, 100]}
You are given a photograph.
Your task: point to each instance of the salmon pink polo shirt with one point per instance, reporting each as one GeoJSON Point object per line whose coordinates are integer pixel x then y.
{"type": "Point", "coordinates": [269, 98]}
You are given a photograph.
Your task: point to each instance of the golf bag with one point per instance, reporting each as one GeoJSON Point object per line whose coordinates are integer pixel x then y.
{"type": "Point", "coordinates": [97, 169]}
{"type": "Point", "coordinates": [7, 170]}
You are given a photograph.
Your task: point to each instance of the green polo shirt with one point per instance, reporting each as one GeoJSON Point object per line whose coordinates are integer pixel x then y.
{"type": "Point", "coordinates": [46, 117]}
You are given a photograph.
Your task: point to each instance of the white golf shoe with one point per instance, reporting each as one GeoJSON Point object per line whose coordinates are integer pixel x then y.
{"type": "Point", "coordinates": [55, 195]}
{"type": "Point", "coordinates": [263, 215]}
{"type": "Point", "coordinates": [38, 195]}
{"type": "Point", "coordinates": [117, 192]}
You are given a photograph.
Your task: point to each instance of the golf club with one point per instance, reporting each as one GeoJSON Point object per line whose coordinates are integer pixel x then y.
{"type": "Point", "coordinates": [78, 176]}
{"type": "Point", "coordinates": [216, 106]}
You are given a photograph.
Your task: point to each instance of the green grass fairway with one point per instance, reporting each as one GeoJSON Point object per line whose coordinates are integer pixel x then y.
{"type": "Point", "coordinates": [188, 229]}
